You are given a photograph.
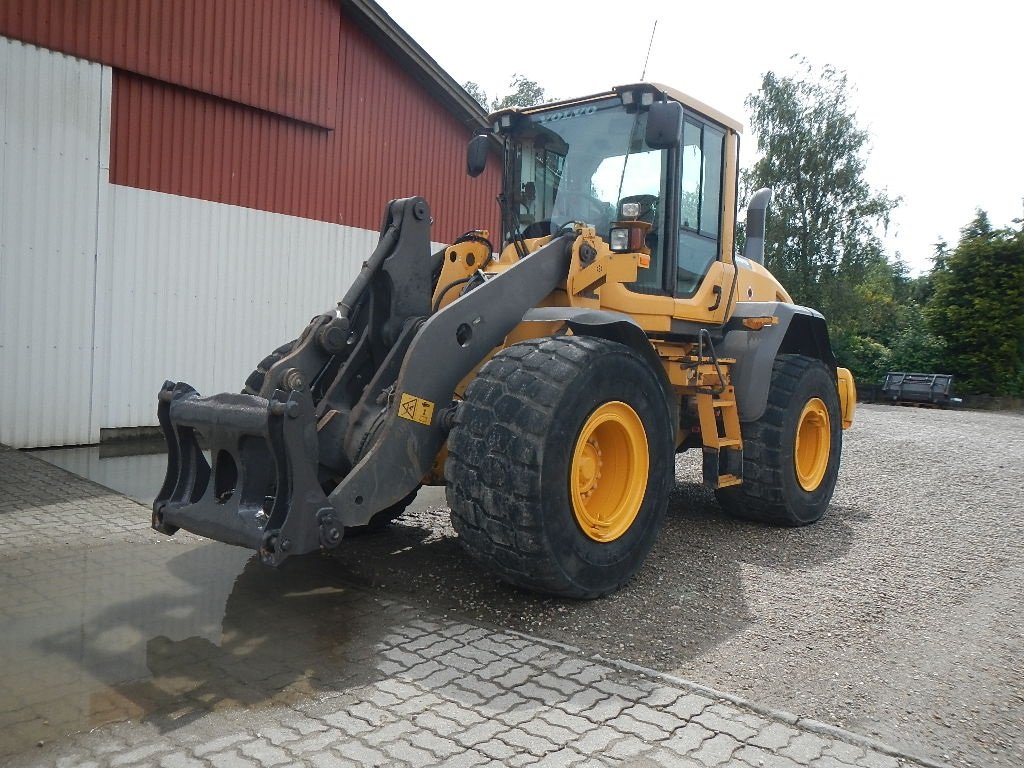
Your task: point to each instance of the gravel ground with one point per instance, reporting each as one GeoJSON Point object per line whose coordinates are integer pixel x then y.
{"type": "Point", "coordinates": [898, 615]}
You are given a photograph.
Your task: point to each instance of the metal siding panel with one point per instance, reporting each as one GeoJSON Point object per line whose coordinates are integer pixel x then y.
{"type": "Point", "coordinates": [202, 291]}
{"type": "Point", "coordinates": [251, 58]}
{"type": "Point", "coordinates": [51, 139]}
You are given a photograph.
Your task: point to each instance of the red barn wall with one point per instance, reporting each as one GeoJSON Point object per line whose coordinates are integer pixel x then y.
{"type": "Point", "coordinates": [279, 105]}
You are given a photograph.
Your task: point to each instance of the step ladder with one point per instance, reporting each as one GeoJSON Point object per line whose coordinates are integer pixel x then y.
{"type": "Point", "coordinates": [720, 432]}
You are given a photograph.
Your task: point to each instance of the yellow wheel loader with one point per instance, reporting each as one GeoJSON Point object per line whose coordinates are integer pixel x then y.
{"type": "Point", "coordinates": [549, 384]}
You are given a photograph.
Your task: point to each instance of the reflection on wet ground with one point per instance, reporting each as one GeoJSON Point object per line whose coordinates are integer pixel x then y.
{"type": "Point", "coordinates": [135, 468]}
{"type": "Point", "coordinates": [104, 620]}
{"type": "Point", "coordinates": [169, 633]}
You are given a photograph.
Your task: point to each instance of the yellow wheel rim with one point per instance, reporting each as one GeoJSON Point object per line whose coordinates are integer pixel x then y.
{"type": "Point", "coordinates": [608, 474]}
{"type": "Point", "coordinates": [813, 444]}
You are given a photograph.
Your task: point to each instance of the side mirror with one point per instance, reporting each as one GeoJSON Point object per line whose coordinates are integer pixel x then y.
{"type": "Point", "coordinates": [664, 124]}
{"type": "Point", "coordinates": [476, 155]}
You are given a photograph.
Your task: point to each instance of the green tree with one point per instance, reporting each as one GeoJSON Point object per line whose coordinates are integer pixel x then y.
{"type": "Point", "coordinates": [478, 94]}
{"type": "Point", "coordinates": [977, 308]}
{"type": "Point", "coordinates": [523, 92]}
{"type": "Point", "coordinates": [822, 239]}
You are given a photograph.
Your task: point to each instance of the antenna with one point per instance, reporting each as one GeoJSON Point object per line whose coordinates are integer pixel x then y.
{"type": "Point", "coordinates": [649, 44]}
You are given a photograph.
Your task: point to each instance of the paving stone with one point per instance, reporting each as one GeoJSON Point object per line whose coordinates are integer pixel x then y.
{"type": "Point", "coordinates": [279, 735]}
{"type": "Point", "coordinates": [363, 755]}
{"type": "Point", "coordinates": [828, 761]}
{"type": "Point", "coordinates": [265, 753]}
{"type": "Point", "coordinates": [629, 692]}
{"type": "Point", "coordinates": [416, 704]}
{"type": "Point", "coordinates": [404, 750]}
{"type": "Point", "coordinates": [316, 742]}
{"type": "Point", "coordinates": [438, 746]}
{"type": "Point", "coordinates": [522, 740]}
{"type": "Point", "coordinates": [774, 736]}
{"type": "Point", "coordinates": [219, 744]}
{"type": "Point", "coordinates": [688, 706]}
{"type": "Point", "coordinates": [495, 749]}
{"type": "Point", "coordinates": [173, 760]}
{"type": "Point", "coordinates": [841, 750]}
{"type": "Point", "coordinates": [664, 757]}
{"type": "Point", "coordinates": [380, 737]}
{"type": "Point", "coordinates": [332, 760]}
{"type": "Point", "coordinates": [469, 758]}
{"type": "Point", "coordinates": [230, 759]}
{"type": "Point", "coordinates": [581, 702]}
{"type": "Point", "coordinates": [563, 758]}
{"type": "Point", "coordinates": [877, 760]}
{"type": "Point", "coordinates": [347, 723]}
{"type": "Point", "coordinates": [717, 750]}
{"type": "Point", "coordinates": [554, 734]}
{"type": "Point", "coordinates": [479, 733]}
{"type": "Point", "coordinates": [687, 739]}
{"type": "Point", "coordinates": [665, 721]}
{"type": "Point", "coordinates": [574, 723]}
{"type": "Point", "coordinates": [804, 748]}
{"type": "Point", "coordinates": [606, 709]}
{"type": "Point", "coordinates": [625, 723]}
{"type": "Point", "coordinates": [597, 741]}
{"type": "Point", "coordinates": [714, 721]}
{"type": "Point", "coordinates": [625, 748]}
{"type": "Point", "coordinates": [138, 755]}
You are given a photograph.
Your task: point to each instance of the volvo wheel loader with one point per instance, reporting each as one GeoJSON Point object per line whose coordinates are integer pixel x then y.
{"type": "Point", "coordinates": [549, 383]}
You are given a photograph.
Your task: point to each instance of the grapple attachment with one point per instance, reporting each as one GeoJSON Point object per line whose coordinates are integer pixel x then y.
{"type": "Point", "coordinates": [262, 490]}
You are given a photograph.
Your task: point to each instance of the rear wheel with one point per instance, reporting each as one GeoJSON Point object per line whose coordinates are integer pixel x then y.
{"type": "Point", "coordinates": [791, 454]}
{"type": "Point", "coordinates": [560, 465]}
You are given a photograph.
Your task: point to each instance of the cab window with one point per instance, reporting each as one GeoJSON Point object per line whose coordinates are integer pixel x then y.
{"type": "Point", "coordinates": [700, 203]}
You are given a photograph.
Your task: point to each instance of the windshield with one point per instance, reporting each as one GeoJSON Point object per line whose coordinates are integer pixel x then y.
{"type": "Point", "coordinates": [581, 163]}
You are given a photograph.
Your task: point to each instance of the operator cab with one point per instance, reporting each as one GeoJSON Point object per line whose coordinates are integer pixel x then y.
{"type": "Point", "coordinates": [595, 161]}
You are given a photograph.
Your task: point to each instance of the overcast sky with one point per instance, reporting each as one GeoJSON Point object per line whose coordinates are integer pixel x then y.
{"type": "Point", "coordinates": [938, 85]}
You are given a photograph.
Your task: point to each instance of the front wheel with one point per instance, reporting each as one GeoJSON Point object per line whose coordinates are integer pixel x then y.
{"type": "Point", "coordinates": [560, 465]}
{"type": "Point", "coordinates": [791, 454]}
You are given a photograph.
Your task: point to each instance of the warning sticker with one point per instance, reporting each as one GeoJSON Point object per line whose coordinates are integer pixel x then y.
{"type": "Point", "coordinates": [416, 409]}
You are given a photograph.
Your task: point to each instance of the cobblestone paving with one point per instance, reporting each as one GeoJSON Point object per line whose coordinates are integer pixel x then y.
{"type": "Point", "coordinates": [317, 675]}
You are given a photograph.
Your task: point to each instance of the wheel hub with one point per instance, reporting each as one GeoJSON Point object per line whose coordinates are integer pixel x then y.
{"type": "Point", "coordinates": [813, 444]}
{"type": "Point", "coordinates": [609, 471]}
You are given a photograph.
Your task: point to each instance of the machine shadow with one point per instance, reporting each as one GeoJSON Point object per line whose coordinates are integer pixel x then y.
{"type": "Point", "coordinates": [281, 636]}
{"type": "Point", "coordinates": [689, 596]}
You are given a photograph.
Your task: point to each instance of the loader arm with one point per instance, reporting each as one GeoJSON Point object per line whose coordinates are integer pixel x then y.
{"type": "Point", "coordinates": [349, 420]}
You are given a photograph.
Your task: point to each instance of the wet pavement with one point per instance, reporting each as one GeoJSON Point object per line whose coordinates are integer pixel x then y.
{"type": "Point", "coordinates": [125, 647]}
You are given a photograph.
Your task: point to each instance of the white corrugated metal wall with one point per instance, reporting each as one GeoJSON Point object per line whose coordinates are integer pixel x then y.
{"type": "Point", "coordinates": [50, 115]}
{"type": "Point", "coordinates": [106, 291]}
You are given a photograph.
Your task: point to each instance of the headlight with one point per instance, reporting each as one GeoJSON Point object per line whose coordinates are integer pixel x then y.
{"type": "Point", "coordinates": [618, 238]}
{"type": "Point", "coordinates": [630, 210]}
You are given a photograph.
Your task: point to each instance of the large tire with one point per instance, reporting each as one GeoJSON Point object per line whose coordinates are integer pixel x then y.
{"type": "Point", "coordinates": [254, 383]}
{"type": "Point", "coordinates": [560, 465]}
{"type": "Point", "coordinates": [791, 454]}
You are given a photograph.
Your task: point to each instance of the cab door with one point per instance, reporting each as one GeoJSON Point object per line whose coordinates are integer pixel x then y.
{"type": "Point", "coordinates": [703, 275]}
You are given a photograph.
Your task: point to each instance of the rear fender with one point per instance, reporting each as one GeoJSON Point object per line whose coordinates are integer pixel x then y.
{"type": "Point", "coordinates": [798, 330]}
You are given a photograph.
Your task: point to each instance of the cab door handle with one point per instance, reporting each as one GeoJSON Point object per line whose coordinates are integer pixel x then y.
{"type": "Point", "coordinates": [717, 290]}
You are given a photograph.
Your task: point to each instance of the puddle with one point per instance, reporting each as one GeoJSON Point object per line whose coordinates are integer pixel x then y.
{"type": "Point", "coordinates": [169, 633]}
{"type": "Point", "coordinates": [135, 468]}
{"type": "Point", "coordinates": [168, 630]}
